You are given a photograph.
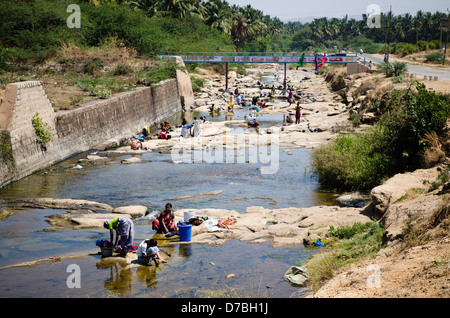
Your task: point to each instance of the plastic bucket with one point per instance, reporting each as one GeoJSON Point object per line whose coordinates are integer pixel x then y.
{"type": "Point", "coordinates": [188, 215]}
{"type": "Point", "coordinates": [106, 252]}
{"type": "Point", "coordinates": [185, 232]}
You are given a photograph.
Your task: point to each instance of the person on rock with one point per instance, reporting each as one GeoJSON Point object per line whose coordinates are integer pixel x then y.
{"type": "Point", "coordinates": [124, 227]}
{"type": "Point", "coordinates": [165, 222]}
{"type": "Point", "coordinates": [148, 250]}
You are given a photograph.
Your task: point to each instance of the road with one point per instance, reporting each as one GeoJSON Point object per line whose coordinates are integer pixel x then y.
{"type": "Point", "coordinates": [419, 71]}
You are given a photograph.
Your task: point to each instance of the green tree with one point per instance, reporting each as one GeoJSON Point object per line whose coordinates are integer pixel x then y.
{"type": "Point", "coordinates": [219, 15]}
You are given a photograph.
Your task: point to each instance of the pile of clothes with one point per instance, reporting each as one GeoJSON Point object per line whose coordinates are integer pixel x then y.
{"type": "Point", "coordinates": [107, 244]}
{"type": "Point", "coordinates": [226, 224]}
{"type": "Point", "coordinates": [213, 225]}
{"type": "Point", "coordinates": [104, 244]}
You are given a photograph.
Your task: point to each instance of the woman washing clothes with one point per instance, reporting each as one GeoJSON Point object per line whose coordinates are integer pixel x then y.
{"type": "Point", "coordinates": [124, 228]}
{"type": "Point", "coordinates": [165, 222]}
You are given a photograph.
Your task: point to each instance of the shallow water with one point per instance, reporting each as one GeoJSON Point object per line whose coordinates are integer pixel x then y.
{"type": "Point", "coordinates": [192, 271]}
{"type": "Point", "coordinates": [259, 268]}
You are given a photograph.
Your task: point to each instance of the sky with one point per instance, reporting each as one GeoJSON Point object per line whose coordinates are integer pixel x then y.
{"type": "Point", "coordinates": [293, 10]}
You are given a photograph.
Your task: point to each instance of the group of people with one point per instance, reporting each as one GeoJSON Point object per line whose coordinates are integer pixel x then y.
{"type": "Point", "coordinates": [194, 129]}
{"type": "Point", "coordinates": [137, 141]}
{"type": "Point", "coordinates": [166, 129]}
{"type": "Point", "coordinates": [148, 249]}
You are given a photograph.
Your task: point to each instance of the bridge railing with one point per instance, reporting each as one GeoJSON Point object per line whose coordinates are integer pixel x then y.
{"type": "Point", "coordinates": [290, 54]}
{"type": "Point", "coordinates": [260, 57]}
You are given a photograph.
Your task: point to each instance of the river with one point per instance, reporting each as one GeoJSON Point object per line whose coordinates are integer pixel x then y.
{"type": "Point", "coordinates": [193, 270]}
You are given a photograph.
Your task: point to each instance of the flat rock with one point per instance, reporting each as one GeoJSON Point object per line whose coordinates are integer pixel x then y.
{"type": "Point", "coordinates": [131, 160]}
{"type": "Point", "coordinates": [133, 210]}
{"type": "Point", "coordinates": [88, 220]}
{"type": "Point", "coordinates": [288, 226]}
{"type": "Point", "coordinates": [70, 204]}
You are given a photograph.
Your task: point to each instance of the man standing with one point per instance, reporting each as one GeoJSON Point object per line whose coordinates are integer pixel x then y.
{"type": "Point", "coordinates": [298, 113]}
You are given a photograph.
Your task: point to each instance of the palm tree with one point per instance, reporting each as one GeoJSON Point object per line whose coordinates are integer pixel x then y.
{"type": "Point", "coordinates": [149, 6]}
{"type": "Point", "coordinates": [255, 24]}
{"type": "Point", "coordinates": [197, 8]}
{"type": "Point", "coordinates": [399, 29]}
{"type": "Point", "coordinates": [418, 23]}
{"type": "Point", "coordinates": [239, 30]}
{"type": "Point", "coordinates": [177, 8]}
{"type": "Point", "coordinates": [219, 15]}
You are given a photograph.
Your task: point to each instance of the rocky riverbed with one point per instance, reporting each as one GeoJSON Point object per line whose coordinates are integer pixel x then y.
{"type": "Point", "coordinates": [323, 115]}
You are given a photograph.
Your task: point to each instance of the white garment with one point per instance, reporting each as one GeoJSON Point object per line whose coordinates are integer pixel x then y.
{"type": "Point", "coordinates": [184, 132]}
{"type": "Point", "coordinates": [197, 128]}
{"type": "Point", "coordinates": [211, 225]}
{"type": "Point", "coordinates": [144, 250]}
{"type": "Point", "coordinates": [141, 249]}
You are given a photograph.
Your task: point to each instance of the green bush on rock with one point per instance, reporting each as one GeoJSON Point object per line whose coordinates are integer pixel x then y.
{"type": "Point", "coordinates": [360, 161]}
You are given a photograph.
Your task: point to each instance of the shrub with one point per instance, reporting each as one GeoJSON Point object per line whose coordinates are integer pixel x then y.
{"type": "Point", "coordinates": [347, 232]}
{"type": "Point", "coordinates": [422, 45]}
{"type": "Point", "coordinates": [434, 58]}
{"type": "Point", "coordinates": [4, 55]}
{"type": "Point", "coordinates": [167, 69]}
{"type": "Point", "coordinates": [43, 134]}
{"type": "Point", "coordinates": [92, 65]}
{"type": "Point", "coordinates": [394, 69]}
{"type": "Point", "coordinates": [351, 161]}
{"type": "Point", "coordinates": [434, 45]}
{"type": "Point", "coordinates": [121, 69]}
{"type": "Point", "coordinates": [197, 83]}
{"type": "Point", "coordinates": [404, 49]}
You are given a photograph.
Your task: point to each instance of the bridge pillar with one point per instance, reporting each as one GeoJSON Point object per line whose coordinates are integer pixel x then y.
{"type": "Point", "coordinates": [226, 78]}
{"type": "Point", "coordinates": [285, 80]}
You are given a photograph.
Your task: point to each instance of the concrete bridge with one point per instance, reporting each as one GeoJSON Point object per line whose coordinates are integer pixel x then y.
{"type": "Point", "coordinates": [261, 57]}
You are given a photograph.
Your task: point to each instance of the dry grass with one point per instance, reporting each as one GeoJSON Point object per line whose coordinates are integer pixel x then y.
{"type": "Point", "coordinates": [111, 52]}
{"type": "Point", "coordinates": [433, 153]}
{"type": "Point", "coordinates": [321, 269]}
{"type": "Point", "coordinates": [60, 75]}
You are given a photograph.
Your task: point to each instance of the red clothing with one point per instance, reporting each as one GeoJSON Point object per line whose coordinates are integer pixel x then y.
{"type": "Point", "coordinates": [168, 219]}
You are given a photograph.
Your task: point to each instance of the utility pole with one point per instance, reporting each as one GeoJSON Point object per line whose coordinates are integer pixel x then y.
{"type": "Point", "coordinates": [389, 32]}
{"type": "Point", "coordinates": [446, 42]}
{"type": "Point", "coordinates": [388, 36]}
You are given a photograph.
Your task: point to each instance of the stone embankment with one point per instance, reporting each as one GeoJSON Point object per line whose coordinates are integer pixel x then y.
{"type": "Point", "coordinates": [97, 124]}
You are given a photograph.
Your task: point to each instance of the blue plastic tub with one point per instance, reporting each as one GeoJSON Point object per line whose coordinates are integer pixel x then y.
{"type": "Point", "coordinates": [185, 232]}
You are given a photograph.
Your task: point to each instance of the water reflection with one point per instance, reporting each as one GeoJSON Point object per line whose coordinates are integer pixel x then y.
{"type": "Point", "coordinates": [185, 250]}
{"type": "Point", "coordinates": [120, 279]}
{"type": "Point", "coordinates": [192, 271]}
{"type": "Point", "coordinates": [146, 276]}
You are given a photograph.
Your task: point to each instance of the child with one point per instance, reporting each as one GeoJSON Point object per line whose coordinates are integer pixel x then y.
{"type": "Point", "coordinates": [148, 250]}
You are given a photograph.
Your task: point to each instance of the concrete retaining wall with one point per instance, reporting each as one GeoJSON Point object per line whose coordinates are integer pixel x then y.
{"type": "Point", "coordinates": [353, 68]}
{"type": "Point", "coordinates": [83, 128]}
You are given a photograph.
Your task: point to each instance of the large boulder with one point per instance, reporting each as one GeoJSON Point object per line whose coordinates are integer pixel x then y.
{"type": "Point", "coordinates": [399, 185]}
{"type": "Point", "coordinates": [411, 209]}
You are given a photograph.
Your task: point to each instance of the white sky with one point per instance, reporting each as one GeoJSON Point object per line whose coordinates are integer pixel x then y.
{"type": "Point", "coordinates": [295, 9]}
